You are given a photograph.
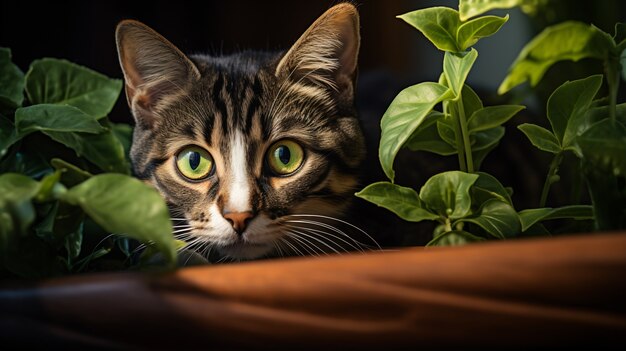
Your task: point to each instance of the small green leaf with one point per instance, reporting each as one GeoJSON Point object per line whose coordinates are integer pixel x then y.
{"type": "Point", "coordinates": [541, 138]}
{"type": "Point", "coordinates": [406, 112]}
{"type": "Point", "coordinates": [456, 67]}
{"type": "Point", "coordinates": [446, 132]}
{"type": "Point", "coordinates": [438, 24]}
{"type": "Point", "coordinates": [488, 187]}
{"type": "Point", "coordinates": [426, 137]}
{"type": "Point", "coordinates": [124, 133]}
{"type": "Point", "coordinates": [125, 205]}
{"type": "Point", "coordinates": [50, 188]}
{"type": "Point", "coordinates": [104, 150]}
{"type": "Point", "coordinates": [484, 142]}
{"type": "Point", "coordinates": [57, 118]}
{"type": "Point", "coordinates": [16, 209]}
{"type": "Point", "coordinates": [11, 81]}
{"type": "Point", "coordinates": [565, 41]}
{"type": "Point", "coordinates": [17, 187]}
{"type": "Point", "coordinates": [8, 135]}
{"type": "Point", "coordinates": [492, 116]}
{"type": "Point", "coordinates": [470, 32]}
{"type": "Point", "coordinates": [54, 81]}
{"type": "Point", "coordinates": [535, 215]}
{"type": "Point", "coordinates": [71, 175]}
{"type": "Point", "coordinates": [604, 146]}
{"type": "Point", "coordinates": [447, 194]}
{"type": "Point", "coordinates": [454, 238]}
{"type": "Point", "coordinates": [568, 105]}
{"type": "Point", "coordinates": [471, 101]}
{"type": "Point", "coordinates": [497, 218]}
{"type": "Point", "coordinates": [471, 8]}
{"type": "Point", "coordinates": [400, 200]}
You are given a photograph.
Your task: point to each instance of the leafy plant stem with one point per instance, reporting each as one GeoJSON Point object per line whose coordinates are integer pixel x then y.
{"type": "Point", "coordinates": [447, 225]}
{"type": "Point", "coordinates": [449, 110]}
{"type": "Point", "coordinates": [551, 178]}
{"type": "Point", "coordinates": [462, 121]}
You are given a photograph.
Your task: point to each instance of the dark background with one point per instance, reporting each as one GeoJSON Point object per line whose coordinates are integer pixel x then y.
{"type": "Point", "coordinates": [393, 56]}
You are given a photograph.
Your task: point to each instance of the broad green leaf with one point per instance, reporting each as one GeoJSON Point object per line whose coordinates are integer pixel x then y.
{"type": "Point", "coordinates": [124, 133]}
{"type": "Point", "coordinates": [470, 32]}
{"type": "Point", "coordinates": [497, 218]}
{"type": "Point", "coordinates": [446, 132]}
{"type": "Point", "coordinates": [438, 24]}
{"type": "Point", "coordinates": [16, 209]}
{"type": "Point", "coordinates": [488, 187]}
{"type": "Point", "coordinates": [568, 105]}
{"type": "Point", "coordinates": [456, 67]}
{"type": "Point", "coordinates": [71, 175]}
{"type": "Point", "coordinates": [54, 81]}
{"type": "Point", "coordinates": [565, 41]}
{"type": "Point", "coordinates": [484, 142]}
{"type": "Point", "coordinates": [471, 101]}
{"type": "Point", "coordinates": [541, 138]}
{"type": "Point", "coordinates": [57, 118]}
{"type": "Point", "coordinates": [400, 200]}
{"type": "Point", "coordinates": [604, 145]}
{"type": "Point", "coordinates": [471, 8]}
{"type": "Point", "coordinates": [11, 81]}
{"type": "Point", "coordinates": [406, 112]}
{"type": "Point", "coordinates": [535, 215]}
{"type": "Point", "coordinates": [454, 238]}
{"type": "Point", "coordinates": [104, 149]}
{"type": "Point", "coordinates": [8, 135]}
{"type": "Point", "coordinates": [447, 194]}
{"type": "Point", "coordinates": [124, 205]}
{"type": "Point", "coordinates": [492, 116]}
{"type": "Point", "coordinates": [426, 137]}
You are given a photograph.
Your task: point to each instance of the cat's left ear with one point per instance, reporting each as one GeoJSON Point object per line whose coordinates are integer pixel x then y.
{"type": "Point", "coordinates": [326, 54]}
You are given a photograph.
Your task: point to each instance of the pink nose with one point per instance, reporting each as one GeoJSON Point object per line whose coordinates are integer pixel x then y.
{"type": "Point", "coordinates": [239, 220]}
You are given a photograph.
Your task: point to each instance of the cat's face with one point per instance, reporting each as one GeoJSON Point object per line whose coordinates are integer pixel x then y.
{"type": "Point", "coordinates": [247, 149]}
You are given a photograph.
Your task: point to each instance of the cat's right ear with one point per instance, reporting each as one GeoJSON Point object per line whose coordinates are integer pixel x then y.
{"type": "Point", "coordinates": [155, 71]}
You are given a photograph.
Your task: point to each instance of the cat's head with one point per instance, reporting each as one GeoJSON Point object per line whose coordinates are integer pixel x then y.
{"type": "Point", "coordinates": [247, 148]}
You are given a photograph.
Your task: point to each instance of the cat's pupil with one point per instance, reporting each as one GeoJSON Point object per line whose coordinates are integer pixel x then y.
{"type": "Point", "coordinates": [194, 160]}
{"type": "Point", "coordinates": [284, 155]}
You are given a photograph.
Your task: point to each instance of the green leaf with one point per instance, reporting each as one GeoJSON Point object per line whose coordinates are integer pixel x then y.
{"type": "Point", "coordinates": [54, 81]}
{"type": "Point", "coordinates": [471, 8]}
{"type": "Point", "coordinates": [16, 209]}
{"type": "Point", "coordinates": [456, 67]}
{"type": "Point", "coordinates": [17, 187]}
{"type": "Point", "coordinates": [400, 200]}
{"type": "Point", "coordinates": [426, 137]}
{"type": "Point", "coordinates": [447, 194]}
{"type": "Point", "coordinates": [124, 133]}
{"type": "Point", "coordinates": [8, 135]}
{"type": "Point", "coordinates": [565, 41]}
{"type": "Point", "coordinates": [497, 218]}
{"type": "Point", "coordinates": [11, 81]}
{"type": "Point", "coordinates": [104, 150]}
{"type": "Point", "coordinates": [70, 174]}
{"type": "Point", "coordinates": [484, 142]}
{"type": "Point", "coordinates": [47, 117]}
{"type": "Point", "coordinates": [471, 101]}
{"type": "Point", "coordinates": [446, 131]}
{"type": "Point", "coordinates": [488, 187]}
{"type": "Point", "coordinates": [438, 24]}
{"type": "Point", "coordinates": [124, 205]}
{"type": "Point", "coordinates": [49, 188]}
{"type": "Point", "coordinates": [535, 215]}
{"type": "Point", "coordinates": [492, 116]}
{"type": "Point", "coordinates": [406, 112]}
{"type": "Point", "coordinates": [454, 238]}
{"type": "Point", "coordinates": [541, 138]}
{"type": "Point", "coordinates": [604, 145]}
{"type": "Point", "coordinates": [568, 105]}
{"type": "Point", "coordinates": [470, 32]}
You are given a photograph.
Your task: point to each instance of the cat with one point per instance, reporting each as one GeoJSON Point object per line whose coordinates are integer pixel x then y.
{"type": "Point", "coordinates": [257, 154]}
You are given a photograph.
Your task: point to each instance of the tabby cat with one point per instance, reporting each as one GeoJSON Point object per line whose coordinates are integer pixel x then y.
{"type": "Point", "coordinates": [257, 154]}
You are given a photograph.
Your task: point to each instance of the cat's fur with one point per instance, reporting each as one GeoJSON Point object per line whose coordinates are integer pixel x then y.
{"type": "Point", "coordinates": [235, 107]}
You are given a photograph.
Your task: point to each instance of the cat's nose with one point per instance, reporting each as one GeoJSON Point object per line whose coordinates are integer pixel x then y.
{"type": "Point", "coordinates": [239, 220]}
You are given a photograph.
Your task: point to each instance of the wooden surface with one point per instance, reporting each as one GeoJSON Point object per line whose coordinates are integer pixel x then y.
{"type": "Point", "coordinates": [566, 291]}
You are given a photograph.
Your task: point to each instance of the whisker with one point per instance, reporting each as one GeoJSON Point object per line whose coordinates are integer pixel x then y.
{"type": "Point", "coordinates": [318, 240]}
{"type": "Point", "coordinates": [340, 221]}
{"type": "Point", "coordinates": [295, 249]}
{"type": "Point", "coordinates": [307, 245]}
{"type": "Point", "coordinates": [323, 233]}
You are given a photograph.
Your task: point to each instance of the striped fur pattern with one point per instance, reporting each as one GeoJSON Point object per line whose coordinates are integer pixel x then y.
{"type": "Point", "coordinates": [235, 107]}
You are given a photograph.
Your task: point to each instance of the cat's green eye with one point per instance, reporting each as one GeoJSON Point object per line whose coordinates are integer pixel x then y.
{"type": "Point", "coordinates": [194, 163]}
{"type": "Point", "coordinates": [284, 157]}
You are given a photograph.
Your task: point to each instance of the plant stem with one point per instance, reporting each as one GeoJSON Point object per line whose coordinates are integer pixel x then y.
{"type": "Point", "coordinates": [447, 225]}
{"type": "Point", "coordinates": [550, 178]}
{"type": "Point", "coordinates": [457, 133]}
{"type": "Point", "coordinates": [465, 134]}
